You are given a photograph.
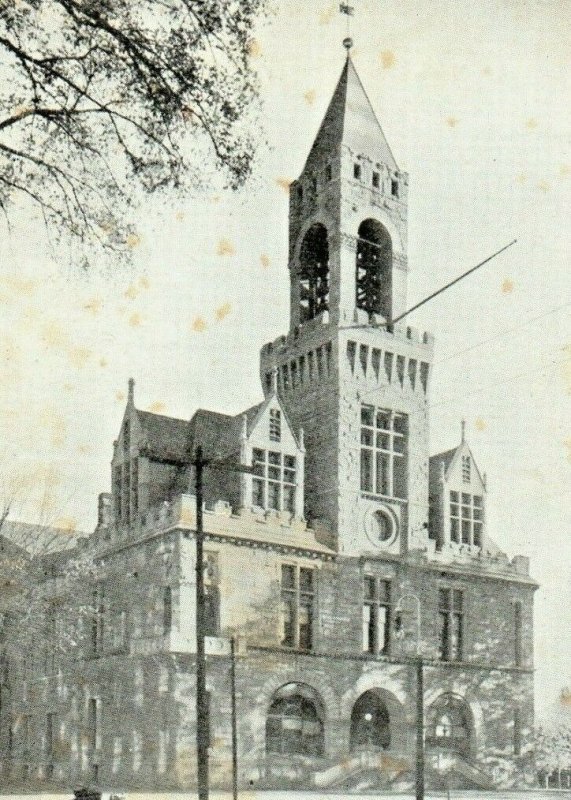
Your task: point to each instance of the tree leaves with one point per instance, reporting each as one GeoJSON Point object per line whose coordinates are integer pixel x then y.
{"type": "Point", "coordinates": [106, 99]}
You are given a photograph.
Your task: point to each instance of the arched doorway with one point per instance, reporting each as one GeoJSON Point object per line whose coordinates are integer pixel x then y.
{"type": "Point", "coordinates": [370, 723]}
{"type": "Point", "coordinates": [294, 724]}
{"type": "Point", "coordinates": [373, 269]}
{"type": "Point", "coordinates": [314, 273]}
{"type": "Point", "coordinates": [450, 725]}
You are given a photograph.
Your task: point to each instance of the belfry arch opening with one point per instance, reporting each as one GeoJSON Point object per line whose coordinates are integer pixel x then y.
{"type": "Point", "coordinates": [373, 269]}
{"type": "Point", "coordinates": [314, 273]}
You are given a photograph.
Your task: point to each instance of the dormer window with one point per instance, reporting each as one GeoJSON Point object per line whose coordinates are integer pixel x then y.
{"type": "Point", "coordinates": [273, 486]}
{"type": "Point", "coordinates": [275, 425]}
{"type": "Point", "coordinates": [466, 469]}
{"type": "Point", "coordinates": [466, 518]}
{"type": "Point", "coordinates": [357, 172]}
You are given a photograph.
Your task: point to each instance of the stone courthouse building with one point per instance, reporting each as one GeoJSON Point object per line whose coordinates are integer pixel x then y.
{"type": "Point", "coordinates": [349, 550]}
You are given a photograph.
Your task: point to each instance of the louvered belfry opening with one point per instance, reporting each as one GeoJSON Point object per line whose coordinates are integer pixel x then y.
{"type": "Point", "coordinates": [314, 273]}
{"type": "Point", "coordinates": [374, 268]}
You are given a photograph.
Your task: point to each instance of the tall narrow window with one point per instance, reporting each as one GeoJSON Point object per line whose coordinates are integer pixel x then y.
{"type": "Point", "coordinates": [134, 487]}
{"type": "Point", "coordinates": [98, 620]}
{"type": "Point", "coordinates": [384, 443]}
{"type": "Point", "coordinates": [518, 628]}
{"type": "Point", "coordinates": [466, 469]}
{"type": "Point", "coordinates": [395, 188]}
{"type": "Point", "coordinates": [117, 494]}
{"type": "Point", "coordinates": [357, 172]}
{"type": "Point", "coordinates": [92, 723]}
{"type": "Point", "coordinates": [297, 599]}
{"type": "Point", "coordinates": [211, 595]}
{"type": "Point", "coordinates": [167, 610]}
{"type": "Point", "coordinates": [50, 734]}
{"type": "Point", "coordinates": [376, 615]}
{"type": "Point", "coordinates": [517, 732]}
{"type": "Point", "coordinates": [275, 425]}
{"type": "Point", "coordinates": [451, 619]}
{"type": "Point", "coordinates": [374, 268]}
{"type": "Point", "coordinates": [314, 273]}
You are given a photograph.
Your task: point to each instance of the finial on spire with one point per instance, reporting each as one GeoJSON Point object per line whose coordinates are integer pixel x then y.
{"type": "Point", "coordinates": [131, 394]}
{"type": "Point", "coordinates": [463, 431]}
{"type": "Point", "coordinates": [348, 10]}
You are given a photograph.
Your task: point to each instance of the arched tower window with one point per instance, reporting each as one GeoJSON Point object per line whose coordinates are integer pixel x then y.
{"type": "Point", "coordinates": [314, 273]}
{"type": "Point", "coordinates": [370, 723]}
{"type": "Point", "coordinates": [374, 268]}
{"type": "Point", "coordinates": [450, 726]}
{"type": "Point", "coordinates": [294, 724]}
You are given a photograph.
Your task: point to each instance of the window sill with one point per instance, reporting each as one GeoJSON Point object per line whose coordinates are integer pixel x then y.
{"type": "Point", "coordinates": [383, 497]}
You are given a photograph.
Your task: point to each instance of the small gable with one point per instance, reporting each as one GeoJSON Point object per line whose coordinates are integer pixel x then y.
{"type": "Point", "coordinates": [270, 428]}
{"type": "Point", "coordinates": [462, 472]}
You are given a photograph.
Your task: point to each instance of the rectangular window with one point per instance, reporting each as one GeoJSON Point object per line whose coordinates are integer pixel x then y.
{"type": "Point", "coordinates": [328, 172]}
{"type": "Point", "coordinates": [466, 518]}
{"type": "Point", "coordinates": [297, 606]}
{"type": "Point", "coordinates": [395, 188]}
{"type": "Point", "coordinates": [134, 487]}
{"type": "Point", "coordinates": [384, 445]}
{"type": "Point", "coordinates": [50, 733]}
{"type": "Point", "coordinates": [117, 506]}
{"type": "Point", "coordinates": [211, 595]}
{"type": "Point", "coordinates": [275, 425]}
{"type": "Point", "coordinates": [98, 620]}
{"type": "Point", "coordinates": [376, 180]}
{"type": "Point", "coordinates": [274, 486]}
{"type": "Point", "coordinates": [466, 469]}
{"type": "Point", "coordinates": [91, 726]}
{"type": "Point", "coordinates": [167, 610]}
{"type": "Point", "coordinates": [518, 633]}
{"type": "Point", "coordinates": [451, 624]}
{"type": "Point", "coordinates": [357, 172]}
{"type": "Point", "coordinates": [517, 732]}
{"type": "Point", "coordinates": [376, 615]}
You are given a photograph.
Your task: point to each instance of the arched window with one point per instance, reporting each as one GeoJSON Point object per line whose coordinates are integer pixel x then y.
{"type": "Point", "coordinates": [450, 725]}
{"type": "Point", "coordinates": [374, 268]}
{"type": "Point", "coordinates": [294, 725]}
{"type": "Point", "coordinates": [370, 723]}
{"type": "Point", "coordinates": [314, 273]}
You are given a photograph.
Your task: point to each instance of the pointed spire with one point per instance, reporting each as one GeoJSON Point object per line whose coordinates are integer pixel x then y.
{"type": "Point", "coordinates": [350, 120]}
{"type": "Point", "coordinates": [463, 431]}
{"type": "Point", "coordinates": [131, 392]}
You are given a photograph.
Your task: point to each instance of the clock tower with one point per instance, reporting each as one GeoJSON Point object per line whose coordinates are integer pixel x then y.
{"type": "Point", "coordinates": [355, 382]}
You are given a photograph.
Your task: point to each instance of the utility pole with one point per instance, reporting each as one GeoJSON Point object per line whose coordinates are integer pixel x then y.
{"type": "Point", "coordinates": [234, 720]}
{"type": "Point", "coordinates": [202, 699]}
{"type": "Point", "coordinates": [202, 702]}
{"type": "Point", "coordinates": [419, 778]}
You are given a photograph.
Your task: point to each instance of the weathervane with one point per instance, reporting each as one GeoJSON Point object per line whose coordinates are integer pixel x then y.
{"type": "Point", "coordinates": [349, 11]}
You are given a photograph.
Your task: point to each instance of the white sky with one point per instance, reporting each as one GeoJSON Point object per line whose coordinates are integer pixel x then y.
{"type": "Point", "coordinates": [473, 99]}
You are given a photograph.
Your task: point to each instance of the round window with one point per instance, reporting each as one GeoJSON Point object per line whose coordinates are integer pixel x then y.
{"type": "Point", "coordinates": [384, 526]}
{"type": "Point", "coordinates": [380, 526]}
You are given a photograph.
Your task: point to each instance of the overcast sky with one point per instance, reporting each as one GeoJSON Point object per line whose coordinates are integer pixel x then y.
{"type": "Point", "coordinates": [473, 99]}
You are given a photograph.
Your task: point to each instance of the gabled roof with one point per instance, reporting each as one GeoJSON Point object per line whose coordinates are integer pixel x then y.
{"type": "Point", "coordinates": [350, 120]}
{"type": "Point", "coordinates": [449, 458]}
{"type": "Point", "coordinates": [165, 438]}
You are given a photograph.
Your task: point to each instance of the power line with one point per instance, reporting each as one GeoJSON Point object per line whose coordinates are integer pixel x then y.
{"type": "Point", "coordinates": [503, 333]}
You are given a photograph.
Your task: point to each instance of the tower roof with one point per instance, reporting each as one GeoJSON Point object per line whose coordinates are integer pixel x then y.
{"type": "Point", "coordinates": [351, 121]}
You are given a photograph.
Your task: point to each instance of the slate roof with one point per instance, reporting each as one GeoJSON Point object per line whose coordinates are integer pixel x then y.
{"type": "Point", "coordinates": [351, 120]}
{"type": "Point", "coordinates": [165, 438]}
{"type": "Point", "coordinates": [447, 456]}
